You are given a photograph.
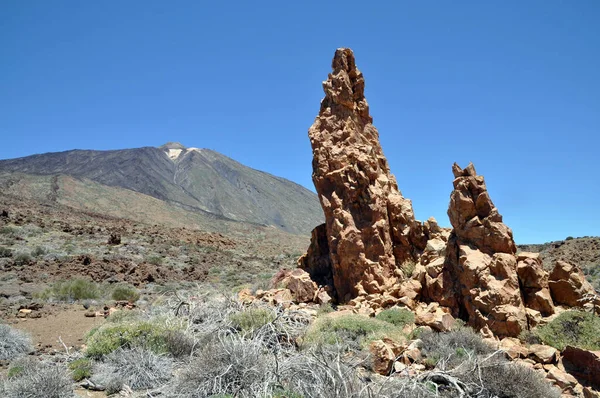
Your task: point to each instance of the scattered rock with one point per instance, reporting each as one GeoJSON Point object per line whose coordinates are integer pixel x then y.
{"type": "Point", "coordinates": [542, 353]}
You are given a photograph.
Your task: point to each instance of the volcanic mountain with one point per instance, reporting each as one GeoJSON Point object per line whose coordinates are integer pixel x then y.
{"type": "Point", "coordinates": [191, 179]}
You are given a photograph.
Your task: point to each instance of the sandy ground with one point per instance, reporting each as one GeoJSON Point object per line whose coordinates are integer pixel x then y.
{"type": "Point", "coordinates": [69, 324]}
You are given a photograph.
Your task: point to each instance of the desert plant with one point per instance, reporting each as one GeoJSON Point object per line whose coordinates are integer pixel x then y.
{"type": "Point", "coordinates": [228, 365]}
{"type": "Point", "coordinates": [151, 335]}
{"type": "Point", "coordinates": [13, 343]}
{"type": "Point", "coordinates": [179, 344]}
{"type": "Point", "coordinates": [575, 328]}
{"type": "Point", "coordinates": [397, 316]}
{"type": "Point", "coordinates": [452, 347]}
{"type": "Point", "coordinates": [39, 380]}
{"type": "Point", "coordinates": [81, 369]}
{"type": "Point", "coordinates": [356, 331]}
{"type": "Point", "coordinates": [22, 258]}
{"type": "Point", "coordinates": [72, 290]}
{"type": "Point", "coordinates": [154, 260]}
{"type": "Point", "coordinates": [251, 319]}
{"type": "Point", "coordinates": [125, 292]}
{"type": "Point", "coordinates": [324, 309]}
{"type": "Point", "coordinates": [137, 367]}
{"type": "Point", "coordinates": [38, 251]}
{"type": "Point", "coordinates": [5, 252]}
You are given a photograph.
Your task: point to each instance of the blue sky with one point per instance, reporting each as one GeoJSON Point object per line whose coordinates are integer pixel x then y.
{"type": "Point", "coordinates": [512, 86]}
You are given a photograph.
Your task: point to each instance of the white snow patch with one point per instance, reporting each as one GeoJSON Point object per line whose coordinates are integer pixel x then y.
{"type": "Point", "coordinates": [195, 149]}
{"type": "Point", "coordinates": [174, 153]}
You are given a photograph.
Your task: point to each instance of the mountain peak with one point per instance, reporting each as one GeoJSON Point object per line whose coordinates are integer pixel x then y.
{"type": "Point", "coordinates": [172, 145]}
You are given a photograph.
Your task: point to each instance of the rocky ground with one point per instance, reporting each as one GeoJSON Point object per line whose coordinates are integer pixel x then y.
{"type": "Point", "coordinates": [583, 251]}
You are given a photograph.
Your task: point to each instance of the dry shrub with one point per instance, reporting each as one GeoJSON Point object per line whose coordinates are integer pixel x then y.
{"type": "Point", "coordinates": [39, 380]}
{"type": "Point", "coordinates": [13, 343]}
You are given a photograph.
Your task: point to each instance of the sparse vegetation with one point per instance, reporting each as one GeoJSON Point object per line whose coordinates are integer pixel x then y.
{"type": "Point", "coordinates": [136, 367]}
{"type": "Point", "coordinates": [22, 258]}
{"type": "Point", "coordinates": [252, 319]}
{"type": "Point", "coordinates": [575, 328]}
{"type": "Point", "coordinates": [355, 330]}
{"type": "Point", "coordinates": [38, 380]}
{"type": "Point", "coordinates": [125, 292]}
{"type": "Point", "coordinates": [397, 316]}
{"type": "Point", "coordinates": [72, 290]}
{"type": "Point", "coordinates": [81, 369]}
{"type": "Point", "coordinates": [5, 252]}
{"type": "Point", "coordinates": [151, 335]}
{"type": "Point", "coordinates": [13, 343]}
{"type": "Point", "coordinates": [453, 347]}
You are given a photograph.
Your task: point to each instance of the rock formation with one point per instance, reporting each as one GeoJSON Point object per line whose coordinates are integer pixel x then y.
{"type": "Point", "coordinates": [370, 227]}
{"type": "Point", "coordinates": [480, 257]}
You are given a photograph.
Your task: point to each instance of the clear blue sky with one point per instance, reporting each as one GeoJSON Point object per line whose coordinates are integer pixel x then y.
{"type": "Point", "coordinates": [512, 86]}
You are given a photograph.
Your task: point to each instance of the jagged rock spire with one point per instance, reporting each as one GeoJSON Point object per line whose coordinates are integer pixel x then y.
{"type": "Point", "coordinates": [370, 227]}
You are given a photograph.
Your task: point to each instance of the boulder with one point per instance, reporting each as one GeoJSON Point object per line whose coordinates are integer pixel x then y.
{"type": "Point", "coordinates": [534, 283]}
{"type": "Point", "coordinates": [542, 353]}
{"type": "Point", "coordinates": [568, 284]}
{"type": "Point", "coordinates": [513, 348]}
{"type": "Point", "coordinates": [436, 317]}
{"type": "Point", "coordinates": [384, 353]}
{"type": "Point", "coordinates": [300, 285]}
{"type": "Point", "coordinates": [561, 378]}
{"type": "Point", "coordinates": [583, 364]}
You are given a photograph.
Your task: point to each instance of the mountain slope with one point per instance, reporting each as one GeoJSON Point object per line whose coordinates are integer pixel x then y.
{"type": "Point", "coordinates": [195, 179]}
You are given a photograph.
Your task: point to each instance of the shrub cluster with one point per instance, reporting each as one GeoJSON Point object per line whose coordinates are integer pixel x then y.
{"type": "Point", "coordinates": [32, 379]}
{"type": "Point", "coordinates": [574, 328]}
{"type": "Point", "coordinates": [72, 290]}
{"type": "Point", "coordinates": [357, 331]}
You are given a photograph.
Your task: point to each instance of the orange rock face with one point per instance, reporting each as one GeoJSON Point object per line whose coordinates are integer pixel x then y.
{"type": "Point", "coordinates": [370, 227]}
{"type": "Point", "coordinates": [480, 266]}
{"type": "Point", "coordinates": [568, 284]}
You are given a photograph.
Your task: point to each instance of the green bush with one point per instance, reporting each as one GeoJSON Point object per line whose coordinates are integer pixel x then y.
{"type": "Point", "coordinates": [38, 251]}
{"type": "Point", "coordinates": [125, 292]}
{"type": "Point", "coordinates": [325, 309]}
{"type": "Point", "coordinates": [251, 319]}
{"type": "Point", "coordinates": [110, 336]}
{"type": "Point", "coordinates": [72, 290]}
{"type": "Point", "coordinates": [81, 368]}
{"type": "Point", "coordinates": [574, 328]}
{"type": "Point", "coordinates": [22, 258]}
{"type": "Point", "coordinates": [355, 330]}
{"type": "Point", "coordinates": [5, 252]}
{"type": "Point", "coordinates": [397, 316]}
{"type": "Point", "coordinates": [154, 260]}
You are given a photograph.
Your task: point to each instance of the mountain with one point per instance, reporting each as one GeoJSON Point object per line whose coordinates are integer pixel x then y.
{"type": "Point", "coordinates": [197, 180]}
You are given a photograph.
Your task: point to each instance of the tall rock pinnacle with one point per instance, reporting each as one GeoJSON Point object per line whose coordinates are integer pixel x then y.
{"type": "Point", "coordinates": [370, 227]}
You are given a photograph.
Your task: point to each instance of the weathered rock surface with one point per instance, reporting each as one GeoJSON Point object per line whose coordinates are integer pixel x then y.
{"type": "Point", "coordinates": [472, 213]}
{"type": "Point", "coordinates": [534, 283]}
{"type": "Point", "coordinates": [479, 279]}
{"type": "Point", "coordinates": [568, 284]}
{"type": "Point", "coordinates": [370, 227]}
{"type": "Point", "coordinates": [583, 364]}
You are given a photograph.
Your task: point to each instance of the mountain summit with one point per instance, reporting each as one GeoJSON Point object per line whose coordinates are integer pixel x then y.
{"type": "Point", "coordinates": [195, 179]}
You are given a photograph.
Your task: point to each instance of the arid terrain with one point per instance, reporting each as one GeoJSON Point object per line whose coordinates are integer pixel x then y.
{"type": "Point", "coordinates": [109, 287]}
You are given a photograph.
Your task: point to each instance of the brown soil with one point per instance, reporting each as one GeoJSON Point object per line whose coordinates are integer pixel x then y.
{"type": "Point", "coordinates": [66, 322]}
